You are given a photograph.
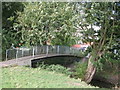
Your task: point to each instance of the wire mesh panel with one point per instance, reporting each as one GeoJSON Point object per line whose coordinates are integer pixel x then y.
{"type": "Point", "coordinates": [52, 50]}
{"type": "Point", "coordinates": [61, 49]}
{"type": "Point", "coordinates": [76, 52]}
{"type": "Point", "coordinates": [26, 52]}
{"type": "Point", "coordinates": [31, 50]}
{"type": "Point", "coordinates": [38, 50]}
{"type": "Point", "coordinates": [70, 51]}
{"type": "Point", "coordinates": [43, 49]}
{"type": "Point", "coordinates": [22, 52]}
{"type": "Point", "coordinates": [55, 49]}
{"type": "Point", "coordinates": [19, 54]}
{"type": "Point", "coordinates": [67, 49]}
{"type": "Point", "coordinates": [10, 54]}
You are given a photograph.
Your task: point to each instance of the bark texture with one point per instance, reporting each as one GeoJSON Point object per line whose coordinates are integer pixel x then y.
{"type": "Point", "coordinates": [90, 71]}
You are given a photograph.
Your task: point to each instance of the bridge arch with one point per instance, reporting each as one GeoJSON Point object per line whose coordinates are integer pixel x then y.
{"type": "Point", "coordinates": [24, 55]}
{"type": "Point", "coordinates": [62, 59]}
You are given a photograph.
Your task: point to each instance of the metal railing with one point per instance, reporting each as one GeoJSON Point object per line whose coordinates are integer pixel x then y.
{"type": "Point", "coordinates": [39, 50]}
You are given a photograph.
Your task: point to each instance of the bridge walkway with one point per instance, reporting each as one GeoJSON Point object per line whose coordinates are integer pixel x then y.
{"type": "Point", "coordinates": [37, 54]}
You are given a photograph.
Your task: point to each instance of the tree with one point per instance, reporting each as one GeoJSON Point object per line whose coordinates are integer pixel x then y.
{"type": "Point", "coordinates": [9, 16]}
{"type": "Point", "coordinates": [46, 21]}
{"type": "Point", "coordinates": [105, 16]}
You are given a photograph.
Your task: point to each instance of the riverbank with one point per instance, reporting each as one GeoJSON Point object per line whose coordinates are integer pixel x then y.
{"type": "Point", "coordinates": [25, 77]}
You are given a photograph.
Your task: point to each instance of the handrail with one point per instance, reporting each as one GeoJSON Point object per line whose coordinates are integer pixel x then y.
{"type": "Point", "coordinates": [16, 53]}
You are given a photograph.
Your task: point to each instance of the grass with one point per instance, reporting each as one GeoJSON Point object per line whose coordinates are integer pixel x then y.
{"type": "Point", "coordinates": [25, 77]}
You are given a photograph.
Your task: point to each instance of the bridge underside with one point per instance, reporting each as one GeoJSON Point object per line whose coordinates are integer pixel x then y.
{"type": "Point", "coordinates": [60, 59]}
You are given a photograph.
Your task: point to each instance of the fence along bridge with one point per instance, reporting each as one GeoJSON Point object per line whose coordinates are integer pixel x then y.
{"type": "Point", "coordinates": [24, 56]}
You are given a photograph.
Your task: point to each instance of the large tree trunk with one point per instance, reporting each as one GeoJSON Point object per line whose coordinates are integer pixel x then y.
{"type": "Point", "coordinates": [90, 71]}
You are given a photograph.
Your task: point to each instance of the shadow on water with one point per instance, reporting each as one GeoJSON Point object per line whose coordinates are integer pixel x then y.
{"type": "Point", "coordinates": [101, 84]}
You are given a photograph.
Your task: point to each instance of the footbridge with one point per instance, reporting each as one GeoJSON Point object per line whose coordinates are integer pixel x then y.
{"type": "Point", "coordinates": [25, 56]}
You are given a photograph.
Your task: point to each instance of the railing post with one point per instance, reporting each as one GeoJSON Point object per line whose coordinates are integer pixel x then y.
{"type": "Point", "coordinates": [16, 55]}
{"type": "Point", "coordinates": [65, 50]}
{"type": "Point", "coordinates": [6, 55]}
{"type": "Point", "coordinates": [47, 50]}
{"type": "Point", "coordinates": [58, 49]}
{"type": "Point", "coordinates": [73, 51]}
{"type": "Point", "coordinates": [22, 52]}
{"type": "Point", "coordinates": [42, 49]}
{"type": "Point", "coordinates": [33, 52]}
{"type": "Point", "coordinates": [69, 50]}
{"type": "Point", "coordinates": [36, 50]}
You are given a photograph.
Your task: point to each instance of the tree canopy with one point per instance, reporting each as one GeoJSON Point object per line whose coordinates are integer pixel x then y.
{"type": "Point", "coordinates": [42, 22]}
{"type": "Point", "coordinates": [100, 24]}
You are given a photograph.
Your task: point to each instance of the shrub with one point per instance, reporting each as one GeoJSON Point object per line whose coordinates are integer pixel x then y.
{"type": "Point", "coordinates": [80, 70]}
{"type": "Point", "coordinates": [56, 68]}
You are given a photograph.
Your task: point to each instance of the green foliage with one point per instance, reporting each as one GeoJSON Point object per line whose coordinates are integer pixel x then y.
{"type": "Point", "coordinates": [108, 67]}
{"type": "Point", "coordinates": [55, 68]}
{"type": "Point", "coordinates": [104, 16]}
{"type": "Point", "coordinates": [24, 77]}
{"type": "Point", "coordinates": [36, 23]}
{"type": "Point", "coordinates": [40, 22]}
{"type": "Point", "coordinates": [108, 60]}
{"type": "Point", "coordinates": [9, 16]}
{"type": "Point", "coordinates": [80, 70]}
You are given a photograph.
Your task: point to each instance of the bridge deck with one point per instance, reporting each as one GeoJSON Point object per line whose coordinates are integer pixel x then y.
{"type": "Point", "coordinates": [24, 56]}
{"type": "Point", "coordinates": [27, 60]}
